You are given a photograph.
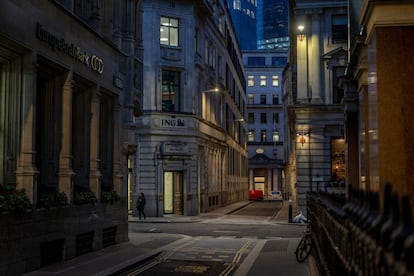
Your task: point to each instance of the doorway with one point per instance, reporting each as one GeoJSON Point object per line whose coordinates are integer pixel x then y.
{"type": "Point", "coordinates": [173, 192]}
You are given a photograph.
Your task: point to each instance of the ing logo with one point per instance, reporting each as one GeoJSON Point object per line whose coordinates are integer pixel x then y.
{"type": "Point", "coordinates": [97, 64]}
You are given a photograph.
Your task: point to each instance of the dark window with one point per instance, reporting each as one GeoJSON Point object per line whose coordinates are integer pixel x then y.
{"type": "Point", "coordinates": [337, 92]}
{"type": "Point", "coordinates": [256, 61]}
{"type": "Point", "coordinates": [263, 99]}
{"type": "Point", "coordinates": [276, 118]}
{"type": "Point", "coordinates": [251, 118]}
{"type": "Point", "coordinates": [279, 61]}
{"type": "Point", "coordinates": [275, 99]}
{"type": "Point", "coordinates": [339, 29]}
{"type": "Point", "coordinates": [263, 118]}
{"type": "Point", "coordinates": [170, 91]}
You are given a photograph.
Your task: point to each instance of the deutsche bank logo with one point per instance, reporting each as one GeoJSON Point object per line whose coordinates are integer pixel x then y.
{"type": "Point", "coordinates": [97, 64]}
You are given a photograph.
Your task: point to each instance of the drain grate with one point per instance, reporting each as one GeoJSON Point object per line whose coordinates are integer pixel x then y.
{"type": "Point", "coordinates": [191, 269]}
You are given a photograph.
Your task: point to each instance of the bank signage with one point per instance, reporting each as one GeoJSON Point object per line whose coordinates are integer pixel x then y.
{"type": "Point", "coordinates": [172, 122]}
{"type": "Point", "coordinates": [176, 148]}
{"type": "Point", "coordinates": [95, 62]}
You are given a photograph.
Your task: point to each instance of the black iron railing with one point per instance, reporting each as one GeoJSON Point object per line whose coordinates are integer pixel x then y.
{"type": "Point", "coordinates": [354, 236]}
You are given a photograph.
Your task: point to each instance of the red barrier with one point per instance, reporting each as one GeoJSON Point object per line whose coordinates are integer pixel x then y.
{"type": "Point", "coordinates": [255, 195]}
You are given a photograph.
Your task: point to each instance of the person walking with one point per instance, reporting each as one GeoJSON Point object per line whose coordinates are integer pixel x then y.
{"type": "Point", "coordinates": [141, 205]}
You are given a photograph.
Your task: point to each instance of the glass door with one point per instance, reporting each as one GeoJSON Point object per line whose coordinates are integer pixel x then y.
{"type": "Point", "coordinates": [173, 192]}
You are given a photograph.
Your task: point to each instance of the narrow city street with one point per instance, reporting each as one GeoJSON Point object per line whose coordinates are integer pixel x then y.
{"type": "Point", "coordinates": [244, 242]}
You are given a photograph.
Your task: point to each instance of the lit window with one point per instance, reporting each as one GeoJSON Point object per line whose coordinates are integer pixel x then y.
{"type": "Point", "coordinates": [250, 136]}
{"type": "Point", "coordinates": [263, 135]}
{"type": "Point", "coordinates": [275, 80]}
{"type": "Point", "coordinates": [169, 31]}
{"type": "Point", "coordinates": [338, 159]}
{"type": "Point", "coordinates": [275, 136]}
{"type": "Point", "coordinates": [250, 99]}
{"type": "Point", "coordinates": [262, 80]}
{"type": "Point", "coordinates": [250, 81]}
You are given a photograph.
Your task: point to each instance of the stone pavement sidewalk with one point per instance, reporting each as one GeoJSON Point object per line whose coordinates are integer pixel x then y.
{"type": "Point", "coordinates": [142, 247]}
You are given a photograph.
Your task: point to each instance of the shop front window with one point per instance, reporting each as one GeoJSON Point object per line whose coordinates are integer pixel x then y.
{"type": "Point", "coordinates": [338, 160]}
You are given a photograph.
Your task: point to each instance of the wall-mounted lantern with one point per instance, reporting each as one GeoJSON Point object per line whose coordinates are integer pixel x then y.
{"type": "Point", "coordinates": [301, 34]}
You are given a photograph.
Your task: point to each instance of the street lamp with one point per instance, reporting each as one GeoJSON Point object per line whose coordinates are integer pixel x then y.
{"type": "Point", "coordinates": [301, 34]}
{"type": "Point", "coordinates": [209, 109]}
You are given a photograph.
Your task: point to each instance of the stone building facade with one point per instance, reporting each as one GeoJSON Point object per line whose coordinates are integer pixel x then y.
{"type": "Point", "coordinates": [265, 120]}
{"type": "Point", "coordinates": [70, 74]}
{"type": "Point", "coordinates": [192, 153]}
{"type": "Point", "coordinates": [379, 97]}
{"type": "Point", "coordinates": [316, 114]}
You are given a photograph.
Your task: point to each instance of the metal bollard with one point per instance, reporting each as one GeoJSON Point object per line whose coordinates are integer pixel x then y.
{"type": "Point", "coordinates": [290, 211]}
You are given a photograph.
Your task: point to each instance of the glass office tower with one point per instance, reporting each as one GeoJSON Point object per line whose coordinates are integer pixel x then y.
{"type": "Point", "coordinates": [243, 14]}
{"type": "Point", "coordinates": [272, 24]}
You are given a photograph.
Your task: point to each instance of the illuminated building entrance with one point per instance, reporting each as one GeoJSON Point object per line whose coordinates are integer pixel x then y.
{"type": "Point", "coordinates": [173, 192]}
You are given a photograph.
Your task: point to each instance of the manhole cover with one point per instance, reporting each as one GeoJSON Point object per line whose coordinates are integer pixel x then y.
{"type": "Point", "coordinates": [191, 269]}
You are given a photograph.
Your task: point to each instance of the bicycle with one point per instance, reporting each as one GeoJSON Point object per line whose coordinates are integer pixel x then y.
{"type": "Point", "coordinates": [305, 245]}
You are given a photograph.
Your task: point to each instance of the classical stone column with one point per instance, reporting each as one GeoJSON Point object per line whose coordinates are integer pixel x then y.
{"type": "Point", "coordinates": [251, 180]}
{"type": "Point", "coordinates": [276, 180]}
{"type": "Point", "coordinates": [269, 181]}
{"type": "Point", "coordinates": [94, 173]}
{"type": "Point", "coordinates": [303, 67]}
{"type": "Point", "coordinates": [118, 154]}
{"type": "Point", "coordinates": [27, 172]}
{"type": "Point", "coordinates": [65, 157]}
{"type": "Point", "coordinates": [315, 64]}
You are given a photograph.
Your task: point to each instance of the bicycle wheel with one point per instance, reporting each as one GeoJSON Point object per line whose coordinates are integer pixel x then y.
{"type": "Point", "coordinates": [304, 248]}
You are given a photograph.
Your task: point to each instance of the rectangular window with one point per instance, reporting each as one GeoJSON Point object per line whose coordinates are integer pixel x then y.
{"type": "Point", "coordinates": [275, 81]}
{"type": "Point", "coordinates": [279, 61]}
{"type": "Point", "coordinates": [276, 136]}
{"type": "Point", "coordinates": [338, 159]}
{"type": "Point", "coordinates": [250, 81]}
{"type": "Point", "coordinates": [169, 31]}
{"type": "Point", "coordinates": [256, 61]}
{"type": "Point", "coordinates": [236, 5]}
{"type": "Point", "coordinates": [263, 99]}
{"type": "Point", "coordinates": [276, 118]}
{"type": "Point", "coordinates": [337, 91]}
{"type": "Point", "coordinates": [339, 29]}
{"type": "Point", "coordinates": [170, 91]}
{"type": "Point", "coordinates": [196, 38]}
{"type": "Point", "coordinates": [263, 135]}
{"type": "Point", "coordinates": [263, 119]}
{"type": "Point", "coordinates": [262, 80]}
{"type": "Point", "coordinates": [251, 118]}
{"type": "Point", "coordinates": [250, 136]}
{"type": "Point", "coordinates": [275, 99]}
{"type": "Point", "coordinates": [250, 99]}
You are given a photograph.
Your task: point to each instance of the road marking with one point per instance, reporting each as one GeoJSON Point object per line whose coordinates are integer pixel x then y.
{"type": "Point", "coordinates": [250, 259]}
{"type": "Point", "coordinates": [236, 259]}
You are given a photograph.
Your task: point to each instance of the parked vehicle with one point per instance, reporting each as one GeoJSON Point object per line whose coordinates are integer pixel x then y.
{"type": "Point", "coordinates": [276, 195]}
